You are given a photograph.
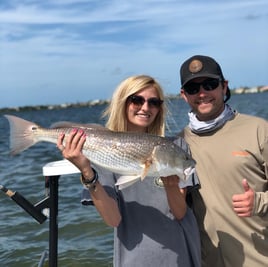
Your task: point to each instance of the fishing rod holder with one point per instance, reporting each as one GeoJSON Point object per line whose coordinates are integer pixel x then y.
{"type": "Point", "coordinates": [34, 210]}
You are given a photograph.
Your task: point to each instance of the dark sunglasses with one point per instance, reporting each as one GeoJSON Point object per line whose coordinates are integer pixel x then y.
{"type": "Point", "coordinates": [209, 84]}
{"type": "Point", "coordinates": [139, 100]}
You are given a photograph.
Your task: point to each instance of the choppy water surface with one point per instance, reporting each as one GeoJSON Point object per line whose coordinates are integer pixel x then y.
{"type": "Point", "coordinates": [84, 240]}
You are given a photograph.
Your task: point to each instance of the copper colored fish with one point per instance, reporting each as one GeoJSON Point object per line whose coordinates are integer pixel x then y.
{"type": "Point", "coordinates": [134, 155]}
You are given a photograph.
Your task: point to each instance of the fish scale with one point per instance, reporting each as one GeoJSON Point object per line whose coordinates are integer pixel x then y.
{"type": "Point", "coordinates": [123, 156]}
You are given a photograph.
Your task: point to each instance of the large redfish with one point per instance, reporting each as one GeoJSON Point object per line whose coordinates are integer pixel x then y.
{"type": "Point", "coordinates": [133, 155]}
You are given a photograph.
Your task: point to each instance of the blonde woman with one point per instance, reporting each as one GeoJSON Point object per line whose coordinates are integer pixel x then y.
{"type": "Point", "coordinates": [153, 225]}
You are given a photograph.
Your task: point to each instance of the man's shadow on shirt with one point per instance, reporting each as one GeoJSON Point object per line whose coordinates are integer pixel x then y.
{"type": "Point", "coordinates": [214, 252]}
{"type": "Point", "coordinates": [260, 242]}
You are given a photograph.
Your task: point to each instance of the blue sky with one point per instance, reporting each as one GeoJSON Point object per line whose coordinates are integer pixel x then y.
{"type": "Point", "coordinates": [67, 51]}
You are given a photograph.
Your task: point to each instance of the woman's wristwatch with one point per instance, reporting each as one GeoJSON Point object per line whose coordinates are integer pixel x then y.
{"type": "Point", "coordinates": [90, 184]}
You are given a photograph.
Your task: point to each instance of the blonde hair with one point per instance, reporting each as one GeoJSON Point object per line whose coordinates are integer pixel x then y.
{"type": "Point", "coordinates": [116, 111]}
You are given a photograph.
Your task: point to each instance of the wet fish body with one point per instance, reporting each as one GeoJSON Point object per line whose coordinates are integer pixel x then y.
{"type": "Point", "coordinates": [133, 155]}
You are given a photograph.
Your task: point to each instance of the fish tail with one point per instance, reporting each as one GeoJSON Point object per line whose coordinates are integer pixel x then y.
{"type": "Point", "coordinates": [21, 134]}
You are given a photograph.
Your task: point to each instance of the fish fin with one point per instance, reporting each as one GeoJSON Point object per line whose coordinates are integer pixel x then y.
{"type": "Point", "coordinates": [69, 124]}
{"type": "Point", "coordinates": [125, 181]}
{"type": "Point", "coordinates": [21, 134]}
{"type": "Point", "coordinates": [146, 168]}
{"type": "Point", "coordinates": [189, 171]}
{"type": "Point", "coordinates": [63, 124]}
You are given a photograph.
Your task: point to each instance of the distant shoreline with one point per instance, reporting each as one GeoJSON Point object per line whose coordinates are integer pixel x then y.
{"type": "Point", "coordinates": [240, 90]}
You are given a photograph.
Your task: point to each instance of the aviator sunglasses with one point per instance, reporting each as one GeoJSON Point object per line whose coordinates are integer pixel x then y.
{"type": "Point", "coordinates": [209, 84]}
{"type": "Point", "coordinates": [139, 100]}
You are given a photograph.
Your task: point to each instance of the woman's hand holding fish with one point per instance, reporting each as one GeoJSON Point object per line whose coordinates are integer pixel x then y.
{"type": "Point", "coordinates": [72, 150]}
{"type": "Point", "coordinates": [175, 196]}
{"type": "Point", "coordinates": [172, 180]}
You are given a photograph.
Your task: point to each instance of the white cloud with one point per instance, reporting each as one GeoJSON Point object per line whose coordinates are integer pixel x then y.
{"type": "Point", "coordinates": [61, 45]}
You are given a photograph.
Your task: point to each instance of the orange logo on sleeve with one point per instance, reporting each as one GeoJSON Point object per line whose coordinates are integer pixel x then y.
{"type": "Point", "coordinates": [240, 153]}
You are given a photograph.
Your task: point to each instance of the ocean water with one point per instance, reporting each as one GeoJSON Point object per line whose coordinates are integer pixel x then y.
{"type": "Point", "coordinates": [83, 239]}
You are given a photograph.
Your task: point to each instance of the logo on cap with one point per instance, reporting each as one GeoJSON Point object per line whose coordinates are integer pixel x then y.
{"type": "Point", "coordinates": [195, 66]}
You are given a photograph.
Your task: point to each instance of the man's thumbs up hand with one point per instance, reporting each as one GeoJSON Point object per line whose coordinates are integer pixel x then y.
{"type": "Point", "coordinates": [243, 203]}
